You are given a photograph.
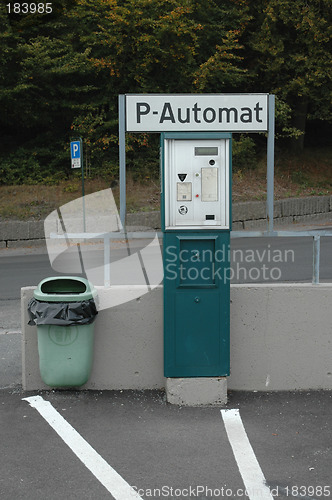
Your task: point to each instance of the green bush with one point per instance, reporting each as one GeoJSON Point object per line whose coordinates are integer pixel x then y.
{"type": "Point", "coordinates": [243, 153]}
{"type": "Point", "coordinates": [29, 165]}
{"type": "Point", "coordinates": [108, 170]}
{"type": "Point", "coordinates": [20, 168]}
{"type": "Point", "coordinates": [142, 157]}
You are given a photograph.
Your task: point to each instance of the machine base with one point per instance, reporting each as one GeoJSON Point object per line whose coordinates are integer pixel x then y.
{"type": "Point", "coordinates": [197, 391]}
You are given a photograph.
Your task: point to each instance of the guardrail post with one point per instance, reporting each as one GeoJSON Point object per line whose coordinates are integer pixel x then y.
{"type": "Point", "coordinates": [107, 260]}
{"type": "Point", "coordinates": [316, 258]}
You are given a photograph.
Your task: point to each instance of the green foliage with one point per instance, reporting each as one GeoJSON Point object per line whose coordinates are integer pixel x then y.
{"type": "Point", "coordinates": [283, 117]}
{"type": "Point", "coordinates": [33, 166]}
{"type": "Point", "coordinates": [243, 153]}
{"type": "Point", "coordinates": [20, 168]}
{"type": "Point", "coordinates": [291, 40]}
{"type": "Point", "coordinates": [295, 40]}
{"type": "Point", "coordinates": [222, 69]}
{"type": "Point", "coordinates": [142, 152]}
{"type": "Point", "coordinates": [109, 170]}
{"type": "Point", "coordinates": [61, 74]}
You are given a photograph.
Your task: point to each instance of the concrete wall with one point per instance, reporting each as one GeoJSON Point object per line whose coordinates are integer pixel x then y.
{"type": "Point", "coordinates": [246, 215]}
{"type": "Point", "coordinates": [14, 233]}
{"type": "Point", "coordinates": [252, 215]}
{"type": "Point", "coordinates": [281, 339]}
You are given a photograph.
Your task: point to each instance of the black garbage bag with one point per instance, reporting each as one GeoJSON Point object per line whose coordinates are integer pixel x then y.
{"type": "Point", "coordinates": [62, 313]}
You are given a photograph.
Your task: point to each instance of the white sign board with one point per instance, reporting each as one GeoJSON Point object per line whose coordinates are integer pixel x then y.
{"type": "Point", "coordinates": [197, 112]}
{"type": "Point", "coordinates": [76, 163]}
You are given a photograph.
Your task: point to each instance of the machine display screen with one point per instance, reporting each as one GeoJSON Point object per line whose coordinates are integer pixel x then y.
{"type": "Point", "coordinates": [206, 151]}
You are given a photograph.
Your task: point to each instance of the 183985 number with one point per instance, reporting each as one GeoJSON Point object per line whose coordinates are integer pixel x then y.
{"type": "Point", "coordinates": [29, 8]}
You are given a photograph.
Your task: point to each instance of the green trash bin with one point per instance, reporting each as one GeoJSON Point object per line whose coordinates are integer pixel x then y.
{"type": "Point", "coordinates": [64, 309]}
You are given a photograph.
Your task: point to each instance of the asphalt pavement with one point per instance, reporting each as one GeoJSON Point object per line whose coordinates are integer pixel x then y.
{"type": "Point", "coordinates": [161, 450]}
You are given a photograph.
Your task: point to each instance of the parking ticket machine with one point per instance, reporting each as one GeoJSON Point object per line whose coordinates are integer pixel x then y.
{"type": "Point", "coordinates": [196, 221]}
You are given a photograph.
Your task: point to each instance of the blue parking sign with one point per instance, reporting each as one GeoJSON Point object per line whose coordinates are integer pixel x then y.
{"type": "Point", "coordinates": [75, 152]}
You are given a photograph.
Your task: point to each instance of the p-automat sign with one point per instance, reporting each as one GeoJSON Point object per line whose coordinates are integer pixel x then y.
{"type": "Point", "coordinates": [197, 112]}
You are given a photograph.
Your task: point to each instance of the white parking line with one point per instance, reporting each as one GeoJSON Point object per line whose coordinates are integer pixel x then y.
{"type": "Point", "coordinates": [108, 477]}
{"type": "Point", "coordinates": [246, 460]}
{"type": "Point", "coordinates": [4, 331]}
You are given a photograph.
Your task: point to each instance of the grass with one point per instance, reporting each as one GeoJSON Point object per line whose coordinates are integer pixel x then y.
{"type": "Point", "coordinates": [28, 202]}
{"type": "Point", "coordinates": [307, 174]}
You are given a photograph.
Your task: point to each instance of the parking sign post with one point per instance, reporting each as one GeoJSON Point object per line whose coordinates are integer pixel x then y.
{"type": "Point", "coordinates": [76, 153]}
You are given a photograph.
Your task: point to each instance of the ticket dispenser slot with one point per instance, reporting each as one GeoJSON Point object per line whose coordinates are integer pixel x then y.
{"type": "Point", "coordinates": [209, 180]}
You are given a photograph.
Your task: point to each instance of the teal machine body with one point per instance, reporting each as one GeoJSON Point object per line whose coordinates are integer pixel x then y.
{"type": "Point", "coordinates": [196, 222]}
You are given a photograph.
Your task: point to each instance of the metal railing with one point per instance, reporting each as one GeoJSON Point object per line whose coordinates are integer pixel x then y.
{"type": "Point", "coordinates": [107, 237]}
{"type": "Point", "coordinates": [315, 234]}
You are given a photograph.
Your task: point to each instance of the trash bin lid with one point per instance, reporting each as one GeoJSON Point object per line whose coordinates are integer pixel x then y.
{"type": "Point", "coordinates": [64, 289]}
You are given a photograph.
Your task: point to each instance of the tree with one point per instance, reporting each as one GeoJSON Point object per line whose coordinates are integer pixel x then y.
{"type": "Point", "coordinates": [61, 73]}
{"type": "Point", "coordinates": [292, 43]}
{"type": "Point", "coordinates": [221, 63]}
{"type": "Point", "coordinates": [44, 82]}
{"type": "Point", "coordinates": [136, 46]}
{"type": "Point", "coordinates": [171, 46]}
